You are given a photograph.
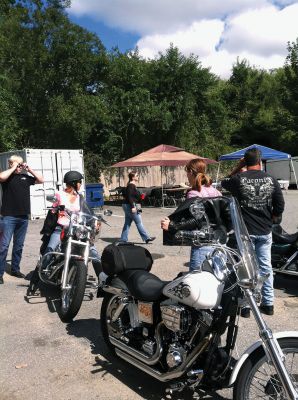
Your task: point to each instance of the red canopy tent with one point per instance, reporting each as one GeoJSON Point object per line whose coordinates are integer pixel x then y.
{"type": "Point", "coordinates": [163, 156]}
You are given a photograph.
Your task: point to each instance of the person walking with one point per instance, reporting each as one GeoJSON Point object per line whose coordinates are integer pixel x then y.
{"type": "Point", "coordinates": [14, 211]}
{"type": "Point", "coordinates": [132, 211]}
{"type": "Point", "coordinates": [201, 186]}
{"type": "Point", "coordinates": [262, 204]}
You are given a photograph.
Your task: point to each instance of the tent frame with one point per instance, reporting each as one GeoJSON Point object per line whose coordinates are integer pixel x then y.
{"type": "Point", "coordinates": [264, 159]}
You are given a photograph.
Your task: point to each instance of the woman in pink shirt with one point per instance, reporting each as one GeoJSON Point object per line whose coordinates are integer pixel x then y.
{"type": "Point", "coordinates": [201, 186]}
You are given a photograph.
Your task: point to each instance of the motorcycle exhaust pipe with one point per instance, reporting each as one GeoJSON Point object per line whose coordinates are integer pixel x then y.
{"type": "Point", "coordinates": [137, 354]}
{"type": "Point", "coordinates": [164, 377]}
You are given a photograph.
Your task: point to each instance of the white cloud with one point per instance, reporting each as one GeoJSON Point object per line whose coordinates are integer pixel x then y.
{"type": "Point", "coordinates": [200, 38]}
{"type": "Point", "coordinates": [215, 30]}
{"type": "Point", "coordinates": [158, 16]}
{"type": "Point", "coordinates": [264, 31]}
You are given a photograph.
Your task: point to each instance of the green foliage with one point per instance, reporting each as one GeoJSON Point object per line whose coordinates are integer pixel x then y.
{"type": "Point", "coordinates": [60, 88]}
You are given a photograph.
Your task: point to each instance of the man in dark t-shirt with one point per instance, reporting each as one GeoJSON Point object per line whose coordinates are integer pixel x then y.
{"type": "Point", "coordinates": [14, 211]}
{"type": "Point", "coordinates": [262, 203]}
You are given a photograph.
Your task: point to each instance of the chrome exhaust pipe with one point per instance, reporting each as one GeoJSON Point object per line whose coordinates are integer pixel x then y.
{"type": "Point", "coordinates": [164, 377]}
{"type": "Point", "coordinates": [137, 354]}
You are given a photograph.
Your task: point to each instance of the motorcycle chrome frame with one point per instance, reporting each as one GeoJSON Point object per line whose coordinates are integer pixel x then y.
{"type": "Point", "coordinates": [68, 254]}
{"type": "Point", "coordinates": [283, 268]}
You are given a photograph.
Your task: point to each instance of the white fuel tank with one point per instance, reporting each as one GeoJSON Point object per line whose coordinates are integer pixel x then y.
{"type": "Point", "coordinates": [200, 290]}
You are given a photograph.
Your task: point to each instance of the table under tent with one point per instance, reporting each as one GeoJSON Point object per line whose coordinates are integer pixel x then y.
{"type": "Point", "coordinates": [162, 156]}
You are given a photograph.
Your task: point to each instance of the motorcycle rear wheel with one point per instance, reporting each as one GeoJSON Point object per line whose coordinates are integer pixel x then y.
{"type": "Point", "coordinates": [71, 300]}
{"type": "Point", "coordinates": [259, 380]}
{"type": "Point", "coordinates": [108, 307]}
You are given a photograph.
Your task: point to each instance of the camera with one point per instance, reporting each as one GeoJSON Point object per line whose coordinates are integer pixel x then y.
{"type": "Point", "coordinates": [20, 166]}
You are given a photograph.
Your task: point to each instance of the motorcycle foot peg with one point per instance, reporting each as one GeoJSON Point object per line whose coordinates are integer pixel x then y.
{"type": "Point", "coordinates": [174, 387]}
{"type": "Point", "coordinates": [196, 373]}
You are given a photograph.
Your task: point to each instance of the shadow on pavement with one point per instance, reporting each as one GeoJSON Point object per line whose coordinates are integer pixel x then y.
{"type": "Point", "coordinates": [51, 295]}
{"type": "Point", "coordinates": [138, 381]}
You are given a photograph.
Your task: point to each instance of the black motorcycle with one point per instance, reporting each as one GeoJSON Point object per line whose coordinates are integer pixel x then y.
{"type": "Point", "coordinates": [284, 251]}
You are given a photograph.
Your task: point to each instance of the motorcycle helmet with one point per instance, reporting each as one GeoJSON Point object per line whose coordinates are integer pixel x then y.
{"type": "Point", "coordinates": [71, 178]}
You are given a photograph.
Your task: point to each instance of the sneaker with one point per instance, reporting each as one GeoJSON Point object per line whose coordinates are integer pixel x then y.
{"type": "Point", "coordinates": [1, 280]}
{"type": "Point", "coordinates": [17, 274]}
{"type": "Point", "coordinates": [245, 312]}
{"type": "Point", "coordinates": [150, 239]}
{"type": "Point", "coordinates": [268, 310]}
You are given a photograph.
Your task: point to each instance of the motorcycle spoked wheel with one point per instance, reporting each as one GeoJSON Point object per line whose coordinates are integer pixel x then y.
{"type": "Point", "coordinates": [71, 299]}
{"type": "Point", "coordinates": [259, 380]}
{"type": "Point", "coordinates": [108, 308]}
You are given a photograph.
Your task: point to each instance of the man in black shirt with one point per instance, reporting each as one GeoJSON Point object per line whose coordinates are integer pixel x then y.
{"type": "Point", "coordinates": [14, 211]}
{"type": "Point", "coordinates": [262, 203]}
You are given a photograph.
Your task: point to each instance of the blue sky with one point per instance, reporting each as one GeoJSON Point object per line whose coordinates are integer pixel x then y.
{"type": "Point", "coordinates": [217, 31]}
{"type": "Point", "coordinates": [111, 37]}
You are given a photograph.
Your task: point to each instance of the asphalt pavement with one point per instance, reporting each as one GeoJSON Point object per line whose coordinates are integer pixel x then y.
{"type": "Point", "coordinates": [43, 358]}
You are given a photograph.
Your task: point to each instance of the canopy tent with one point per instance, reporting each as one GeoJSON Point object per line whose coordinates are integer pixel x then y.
{"type": "Point", "coordinates": [267, 154]}
{"type": "Point", "coordinates": [163, 156]}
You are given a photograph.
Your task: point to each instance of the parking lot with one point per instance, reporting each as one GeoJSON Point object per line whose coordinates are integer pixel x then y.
{"type": "Point", "coordinates": [43, 358]}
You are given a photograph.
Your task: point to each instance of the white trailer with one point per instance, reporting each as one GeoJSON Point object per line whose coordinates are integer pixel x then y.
{"type": "Point", "coordinates": [52, 164]}
{"type": "Point", "coordinates": [283, 170]}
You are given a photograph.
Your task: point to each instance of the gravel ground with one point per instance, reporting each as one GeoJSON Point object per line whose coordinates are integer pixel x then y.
{"type": "Point", "coordinates": [43, 358]}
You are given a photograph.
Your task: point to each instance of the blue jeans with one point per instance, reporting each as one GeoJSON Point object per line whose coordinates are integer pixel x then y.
{"type": "Point", "coordinates": [262, 245]}
{"type": "Point", "coordinates": [55, 240]}
{"type": "Point", "coordinates": [15, 227]}
{"type": "Point", "coordinates": [197, 256]}
{"type": "Point", "coordinates": [129, 217]}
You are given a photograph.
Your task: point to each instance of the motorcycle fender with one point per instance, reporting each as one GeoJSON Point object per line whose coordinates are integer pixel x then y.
{"type": "Point", "coordinates": [254, 347]}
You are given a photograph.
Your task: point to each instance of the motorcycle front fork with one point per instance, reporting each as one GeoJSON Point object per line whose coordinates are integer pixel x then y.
{"type": "Point", "coordinates": [68, 255]}
{"type": "Point", "coordinates": [272, 348]}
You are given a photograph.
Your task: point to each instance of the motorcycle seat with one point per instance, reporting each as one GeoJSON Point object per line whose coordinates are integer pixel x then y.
{"type": "Point", "coordinates": [143, 285]}
{"type": "Point", "coordinates": [279, 235]}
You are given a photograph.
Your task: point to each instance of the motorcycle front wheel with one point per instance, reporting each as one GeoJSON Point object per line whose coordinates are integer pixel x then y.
{"type": "Point", "coordinates": [258, 379]}
{"type": "Point", "coordinates": [71, 299]}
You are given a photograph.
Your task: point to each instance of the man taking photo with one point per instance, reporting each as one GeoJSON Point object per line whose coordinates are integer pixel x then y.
{"type": "Point", "coordinates": [262, 204]}
{"type": "Point", "coordinates": [14, 211]}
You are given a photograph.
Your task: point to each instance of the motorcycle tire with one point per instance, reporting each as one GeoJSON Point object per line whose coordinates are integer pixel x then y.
{"type": "Point", "coordinates": [106, 311]}
{"type": "Point", "coordinates": [77, 278]}
{"type": "Point", "coordinates": [258, 379]}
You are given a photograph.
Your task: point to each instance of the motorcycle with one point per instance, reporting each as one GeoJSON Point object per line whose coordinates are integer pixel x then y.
{"type": "Point", "coordinates": [184, 332]}
{"type": "Point", "coordinates": [67, 266]}
{"type": "Point", "coordinates": [284, 251]}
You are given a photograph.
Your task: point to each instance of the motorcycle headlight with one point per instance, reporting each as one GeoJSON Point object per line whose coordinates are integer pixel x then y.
{"type": "Point", "coordinates": [81, 232]}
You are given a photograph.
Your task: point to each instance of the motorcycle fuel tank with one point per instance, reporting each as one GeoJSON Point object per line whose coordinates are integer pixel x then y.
{"type": "Point", "coordinates": [200, 290]}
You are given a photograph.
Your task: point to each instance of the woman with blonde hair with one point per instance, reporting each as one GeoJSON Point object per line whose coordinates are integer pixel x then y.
{"type": "Point", "coordinates": [201, 186]}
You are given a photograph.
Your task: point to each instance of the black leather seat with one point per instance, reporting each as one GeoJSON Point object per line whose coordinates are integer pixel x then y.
{"type": "Point", "coordinates": [281, 236]}
{"type": "Point", "coordinates": [143, 285]}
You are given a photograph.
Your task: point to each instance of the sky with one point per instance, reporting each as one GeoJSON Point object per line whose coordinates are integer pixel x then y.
{"type": "Point", "coordinates": [217, 31]}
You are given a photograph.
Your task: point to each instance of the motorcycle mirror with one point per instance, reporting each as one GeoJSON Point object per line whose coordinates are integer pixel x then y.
{"type": "Point", "coordinates": [51, 198]}
{"type": "Point", "coordinates": [108, 212]}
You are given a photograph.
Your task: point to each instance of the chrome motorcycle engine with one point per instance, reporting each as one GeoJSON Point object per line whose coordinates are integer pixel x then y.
{"type": "Point", "coordinates": [176, 355]}
{"type": "Point", "coordinates": [175, 318]}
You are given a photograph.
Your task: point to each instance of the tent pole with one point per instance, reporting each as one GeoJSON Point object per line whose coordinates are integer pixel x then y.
{"type": "Point", "coordinates": [294, 173]}
{"type": "Point", "coordinates": [119, 176]}
{"type": "Point", "coordinates": [217, 174]}
{"type": "Point", "coordinates": [162, 199]}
